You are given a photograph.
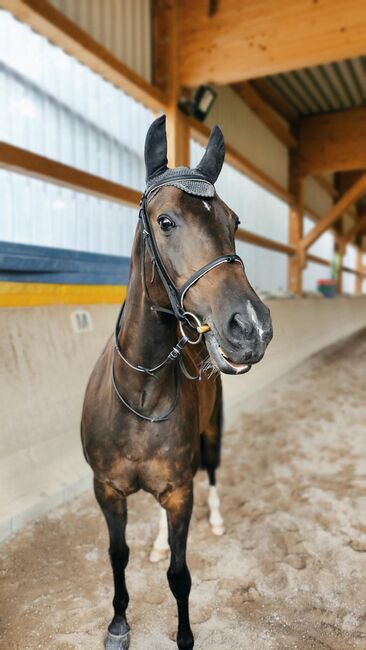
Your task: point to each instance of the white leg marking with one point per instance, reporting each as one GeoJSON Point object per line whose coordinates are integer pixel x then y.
{"type": "Point", "coordinates": [216, 520]}
{"type": "Point", "coordinates": [160, 550]}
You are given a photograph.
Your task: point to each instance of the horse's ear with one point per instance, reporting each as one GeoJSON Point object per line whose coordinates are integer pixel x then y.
{"type": "Point", "coordinates": [213, 158]}
{"type": "Point", "coordinates": [156, 148]}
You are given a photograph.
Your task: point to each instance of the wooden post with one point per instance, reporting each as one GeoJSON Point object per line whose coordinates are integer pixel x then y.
{"type": "Point", "coordinates": [296, 262]}
{"type": "Point", "coordinates": [341, 250]}
{"type": "Point", "coordinates": [166, 77]}
{"type": "Point", "coordinates": [360, 271]}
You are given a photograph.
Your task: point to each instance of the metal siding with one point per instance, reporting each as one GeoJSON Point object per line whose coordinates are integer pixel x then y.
{"type": "Point", "coordinates": [324, 88]}
{"type": "Point", "coordinates": [54, 106]}
{"type": "Point", "coordinates": [34, 212]}
{"type": "Point", "coordinates": [259, 212]}
{"type": "Point", "coordinates": [122, 26]}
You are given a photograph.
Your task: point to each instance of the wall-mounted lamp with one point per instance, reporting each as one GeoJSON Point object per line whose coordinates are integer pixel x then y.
{"type": "Point", "coordinates": [201, 104]}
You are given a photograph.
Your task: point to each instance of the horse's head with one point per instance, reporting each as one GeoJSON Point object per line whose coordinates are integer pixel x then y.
{"type": "Point", "coordinates": [192, 227]}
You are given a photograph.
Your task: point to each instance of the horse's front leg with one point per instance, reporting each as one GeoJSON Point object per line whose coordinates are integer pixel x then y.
{"type": "Point", "coordinates": [179, 510]}
{"type": "Point", "coordinates": [114, 508]}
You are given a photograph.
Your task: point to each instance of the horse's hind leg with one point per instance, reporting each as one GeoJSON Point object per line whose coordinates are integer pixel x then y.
{"type": "Point", "coordinates": [114, 508]}
{"type": "Point", "coordinates": [179, 509]}
{"type": "Point", "coordinates": [210, 460]}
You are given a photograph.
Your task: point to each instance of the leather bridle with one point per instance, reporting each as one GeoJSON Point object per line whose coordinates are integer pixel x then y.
{"type": "Point", "coordinates": [176, 297]}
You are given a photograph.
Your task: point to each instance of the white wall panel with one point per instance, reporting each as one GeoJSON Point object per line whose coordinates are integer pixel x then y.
{"type": "Point", "coordinates": [349, 279]}
{"type": "Point", "coordinates": [247, 133]}
{"type": "Point", "coordinates": [348, 282]}
{"type": "Point", "coordinates": [349, 258]}
{"type": "Point", "coordinates": [122, 26]}
{"type": "Point", "coordinates": [315, 197]}
{"type": "Point", "coordinates": [323, 247]}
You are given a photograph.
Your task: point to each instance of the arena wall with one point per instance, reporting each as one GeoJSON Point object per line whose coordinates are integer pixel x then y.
{"type": "Point", "coordinates": [46, 361]}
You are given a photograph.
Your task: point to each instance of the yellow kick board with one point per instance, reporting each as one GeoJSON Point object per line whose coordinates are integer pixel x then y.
{"type": "Point", "coordinates": [28, 294]}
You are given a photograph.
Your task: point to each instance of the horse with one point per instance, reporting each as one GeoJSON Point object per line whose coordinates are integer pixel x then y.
{"type": "Point", "coordinates": [152, 412]}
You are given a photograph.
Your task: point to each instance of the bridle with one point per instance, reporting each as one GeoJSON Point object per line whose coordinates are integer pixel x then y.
{"type": "Point", "coordinates": [176, 297]}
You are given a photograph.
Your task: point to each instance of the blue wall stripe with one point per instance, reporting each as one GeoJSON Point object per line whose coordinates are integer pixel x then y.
{"type": "Point", "coordinates": [28, 263]}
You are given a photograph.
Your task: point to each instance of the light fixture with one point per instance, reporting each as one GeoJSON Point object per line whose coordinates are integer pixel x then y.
{"type": "Point", "coordinates": [201, 103]}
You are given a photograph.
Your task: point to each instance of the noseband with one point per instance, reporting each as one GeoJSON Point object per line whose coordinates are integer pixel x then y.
{"type": "Point", "coordinates": [176, 297]}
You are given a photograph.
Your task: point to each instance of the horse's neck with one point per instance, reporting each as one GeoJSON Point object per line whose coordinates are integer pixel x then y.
{"type": "Point", "coordinates": [146, 336]}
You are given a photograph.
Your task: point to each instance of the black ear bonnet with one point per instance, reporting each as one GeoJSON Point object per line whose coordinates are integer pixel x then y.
{"type": "Point", "coordinates": [199, 181]}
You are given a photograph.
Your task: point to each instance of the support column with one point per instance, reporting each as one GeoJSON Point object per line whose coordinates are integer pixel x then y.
{"type": "Point", "coordinates": [341, 247]}
{"type": "Point", "coordinates": [296, 262]}
{"type": "Point", "coordinates": [360, 270]}
{"type": "Point", "coordinates": [166, 77]}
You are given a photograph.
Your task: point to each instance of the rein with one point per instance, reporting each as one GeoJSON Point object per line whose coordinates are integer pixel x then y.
{"type": "Point", "coordinates": [176, 297]}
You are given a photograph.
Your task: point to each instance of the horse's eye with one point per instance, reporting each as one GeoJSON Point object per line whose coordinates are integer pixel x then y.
{"type": "Point", "coordinates": [165, 223]}
{"type": "Point", "coordinates": [237, 223]}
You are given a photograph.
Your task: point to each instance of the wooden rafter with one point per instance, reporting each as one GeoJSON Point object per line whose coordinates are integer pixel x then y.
{"type": "Point", "coordinates": [272, 97]}
{"type": "Point", "coordinates": [327, 186]}
{"type": "Point", "coordinates": [333, 142]}
{"type": "Point", "coordinates": [245, 40]}
{"type": "Point", "coordinates": [266, 113]}
{"type": "Point", "coordinates": [335, 212]}
{"type": "Point", "coordinates": [359, 227]}
{"type": "Point", "coordinates": [61, 31]}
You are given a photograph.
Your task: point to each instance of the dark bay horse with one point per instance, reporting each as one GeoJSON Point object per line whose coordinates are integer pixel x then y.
{"type": "Point", "coordinates": [152, 414]}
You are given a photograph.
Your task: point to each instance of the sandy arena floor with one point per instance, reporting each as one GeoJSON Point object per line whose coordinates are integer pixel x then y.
{"type": "Point", "coordinates": [290, 571]}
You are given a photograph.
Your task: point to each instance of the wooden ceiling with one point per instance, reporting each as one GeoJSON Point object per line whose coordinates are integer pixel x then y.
{"type": "Point", "coordinates": [235, 40]}
{"type": "Point", "coordinates": [300, 66]}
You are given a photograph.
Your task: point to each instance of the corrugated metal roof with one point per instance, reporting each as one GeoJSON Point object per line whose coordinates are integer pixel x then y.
{"type": "Point", "coordinates": [324, 88]}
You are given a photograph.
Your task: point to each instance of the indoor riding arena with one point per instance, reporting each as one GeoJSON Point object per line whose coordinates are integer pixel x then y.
{"type": "Point", "coordinates": [183, 207]}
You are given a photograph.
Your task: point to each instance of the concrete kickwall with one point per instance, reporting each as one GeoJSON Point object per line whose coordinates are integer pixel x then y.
{"type": "Point", "coordinates": [44, 368]}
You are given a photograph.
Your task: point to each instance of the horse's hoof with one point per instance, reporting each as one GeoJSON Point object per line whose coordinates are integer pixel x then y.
{"type": "Point", "coordinates": [158, 554]}
{"type": "Point", "coordinates": [114, 642]}
{"type": "Point", "coordinates": [218, 530]}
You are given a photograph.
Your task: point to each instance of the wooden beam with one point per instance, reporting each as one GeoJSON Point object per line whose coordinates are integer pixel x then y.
{"type": "Point", "coordinates": [333, 142]}
{"type": "Point", "coordinates": [318, 260]}
{"type": "Point", "coordinates": [359, 227]}
{"type": "Point", "coordinates": [327, 186]}
{"type": "Point", "coordinates": [24, 162]}
{"type": "Point", "coordinates": [257, 240]}
{"type": "Point", "coordinates": [61, 31]}
{"type": "Point", "coordinates": [272, 97]}
{"type": "Point", "coordinates": [335, 212]}
{"type": "Point", "coordinates": [273, 121]}
{"type": "Point", "coordinates": [201, 132]}
{"type": "Point", "coordinates": [245, 40]}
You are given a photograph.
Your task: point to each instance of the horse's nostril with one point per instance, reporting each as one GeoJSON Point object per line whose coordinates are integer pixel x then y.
{"type": "Point", "coordinates": [239, 327]}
